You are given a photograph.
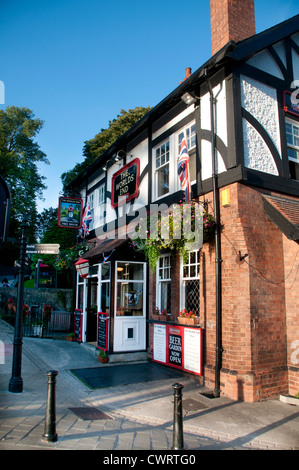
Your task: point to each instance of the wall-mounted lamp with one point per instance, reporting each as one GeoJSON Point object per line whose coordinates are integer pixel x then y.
{"type": "Point", "coordinates": [105, 167]}
{"type": "Point", "coordinates": [121, 154]}
{"type": "Point", "coordinates": [189, 98]}
{"type": "Point", "coordinates": [82, 267]}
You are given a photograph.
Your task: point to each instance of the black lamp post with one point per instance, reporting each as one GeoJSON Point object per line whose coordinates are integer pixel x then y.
{"type": "Point", "coordinates": [16, 381]}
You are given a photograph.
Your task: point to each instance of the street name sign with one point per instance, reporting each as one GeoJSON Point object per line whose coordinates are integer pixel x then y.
{"type": "Point", "coordinates": [43, 248]}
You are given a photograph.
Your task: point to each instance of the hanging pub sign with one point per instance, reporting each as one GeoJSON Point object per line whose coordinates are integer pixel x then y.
{"type": "Point", "coordinates": [125, 183]}
{"type": "Point", "coordinates": [70, 212]}
{"type": "Point", "coordinates": [291, 102]}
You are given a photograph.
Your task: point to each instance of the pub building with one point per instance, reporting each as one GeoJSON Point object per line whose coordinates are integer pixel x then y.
{"type": "Point", "coordinates": [239, 114]}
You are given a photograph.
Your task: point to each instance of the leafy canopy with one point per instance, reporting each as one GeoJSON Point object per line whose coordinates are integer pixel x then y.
{"type": "Point", "coordinates": [19, 156]}
{"type": "Point", "coordinates": [93, 148]}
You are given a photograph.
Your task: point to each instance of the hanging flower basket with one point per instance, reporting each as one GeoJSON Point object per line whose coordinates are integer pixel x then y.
{"type": "Point", "coordinates": [170, 232]}
{"type": "Point", "coordinates": [67, 258]}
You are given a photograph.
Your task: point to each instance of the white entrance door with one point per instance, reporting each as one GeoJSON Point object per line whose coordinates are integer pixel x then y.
{"type": "Point", "coordinates": [130, 307]}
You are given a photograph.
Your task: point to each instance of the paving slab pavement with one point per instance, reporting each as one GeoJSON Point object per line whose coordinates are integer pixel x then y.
{"type": "Point", "coordinates": [134, 417]}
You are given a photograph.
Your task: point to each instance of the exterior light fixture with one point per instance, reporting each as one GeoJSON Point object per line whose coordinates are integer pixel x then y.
{"type": "Point", "coordinates": [82, 267]}
{"type": "Point", "coordinates": [189, 98]}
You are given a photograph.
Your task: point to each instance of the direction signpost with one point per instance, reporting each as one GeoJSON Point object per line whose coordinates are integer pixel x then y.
{"type": "Point", "coordinates": [43, 248]}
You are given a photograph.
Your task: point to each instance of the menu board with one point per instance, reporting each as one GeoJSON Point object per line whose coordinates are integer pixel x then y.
{"type": "Point", "coordinates": [159, 342]}
{"type": "Point", "coordinates": [102, 331]}
{"type": "Point", "coordinates": [78, 324]}
{"type": "Point", "coordinates": [192, 349]}
{"type": "Point", "coordinates": [178, 346]}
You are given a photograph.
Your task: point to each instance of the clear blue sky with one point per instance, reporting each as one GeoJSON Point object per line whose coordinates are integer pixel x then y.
{"type": "Point", "coordinates": [77, 63]}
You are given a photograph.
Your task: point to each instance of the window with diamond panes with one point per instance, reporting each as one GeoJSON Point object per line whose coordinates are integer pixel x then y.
{"type": "Point", "coordinates": [190, 284]}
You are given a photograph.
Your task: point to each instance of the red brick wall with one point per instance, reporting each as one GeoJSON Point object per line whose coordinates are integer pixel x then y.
{"type": "Point", "coordinates": [253, 301]}
{"type": "Point", "coordinates": [231, 20]}
{"type": "Point", "coordinates": [291, 273]}
{"type": "Point", "coordinates": [260, 322]}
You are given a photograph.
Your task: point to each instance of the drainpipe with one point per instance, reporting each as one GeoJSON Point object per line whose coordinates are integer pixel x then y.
{"type": "Point", "coordinates": [217, 240]}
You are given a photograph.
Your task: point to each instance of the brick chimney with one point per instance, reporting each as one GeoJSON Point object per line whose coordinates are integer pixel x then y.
{"type": "Point", "coordinates": [188, 73]}
{"type": "Point", "coordinates": [231, 20]}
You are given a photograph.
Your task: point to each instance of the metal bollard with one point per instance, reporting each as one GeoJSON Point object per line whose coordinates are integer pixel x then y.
{"type": "Point", "coordinates": [50, 424]}
{"type": "Point", "coordinates": [178, 438]}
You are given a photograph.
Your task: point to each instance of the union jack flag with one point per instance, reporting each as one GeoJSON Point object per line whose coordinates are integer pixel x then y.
{"type": "Point", "coordinates": [86, 221]}
{"type": "Point", "coordinates": [184, 170]}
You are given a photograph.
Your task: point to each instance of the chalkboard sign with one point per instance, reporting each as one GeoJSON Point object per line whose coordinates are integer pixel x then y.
{"type": "Point", "coordinates": [102, 331]}
{"type": "Point", "coordinates": [78, 325]}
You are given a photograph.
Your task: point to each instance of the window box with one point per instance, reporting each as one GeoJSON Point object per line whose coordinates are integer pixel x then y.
{"type": "Point", "coordinates": [188, 321]}
{"type": "Point", "coordinates": [161, 317]}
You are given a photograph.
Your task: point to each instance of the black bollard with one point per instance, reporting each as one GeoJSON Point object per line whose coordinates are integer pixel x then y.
{"type": "Point", "coordinates": [178, 438]}
{"type": "Point", "coordinates": [50, 424]}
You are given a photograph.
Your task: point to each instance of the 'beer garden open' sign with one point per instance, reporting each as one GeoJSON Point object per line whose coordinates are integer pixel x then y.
{"type": "Point", "coordinates": [125, 183]}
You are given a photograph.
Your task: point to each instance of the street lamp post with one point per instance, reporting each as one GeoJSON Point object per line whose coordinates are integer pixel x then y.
{"type": "Point", "coordinates": [16, 381]}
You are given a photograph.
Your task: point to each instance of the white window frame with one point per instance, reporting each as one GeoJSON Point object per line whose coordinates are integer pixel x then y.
{"type": "Point", "coordinates": [185, 278]}
{"type": "Point", "coordinates": [162, 165]}
{"type": "Point", "coordinates": [160, 279]}
{"type": "Point", "coordinates": [101, 204]}
{"type": "Point", "coordinates": [127, 281]}
{"type": "Point", "coordinates": [172, 166]}
{"type": "Point", "coordinates": [90, 201]}
{"type": "Point", "coordinates": [293, 145]}
{"type": "Point", "coordinates": [191, 148]}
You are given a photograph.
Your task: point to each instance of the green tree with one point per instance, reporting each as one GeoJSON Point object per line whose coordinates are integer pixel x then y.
{"type": "Point", "coordinates": [93, 148]}
{"type": "Point", "coordinates": [50, 233]}
{"type": "Point", "coordinates": [19, 156]}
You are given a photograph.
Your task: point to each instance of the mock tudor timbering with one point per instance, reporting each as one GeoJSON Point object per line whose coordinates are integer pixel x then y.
{"type": "Point", "coordinates": [243, 113]}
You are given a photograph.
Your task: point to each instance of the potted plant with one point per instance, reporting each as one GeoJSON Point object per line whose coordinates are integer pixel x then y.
{"type": "Point", "coordinates": [188, 318]}
{"type": "Point", "coordinates": [156, 314]}
{"type": "Point", "coordinates": [164, 316]}
{"type": "Point", "coordinates": [70, 337]}
{"type": "Point", "coordinates": [102, 357]}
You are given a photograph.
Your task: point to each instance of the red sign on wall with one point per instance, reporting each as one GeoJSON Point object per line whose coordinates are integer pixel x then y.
{"type": "Point", "coordinates": [291, 102]}
{"type": "Point", "coordinates": [178, 346]}
{"type": "Point", "coordinates": [125, 183]}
